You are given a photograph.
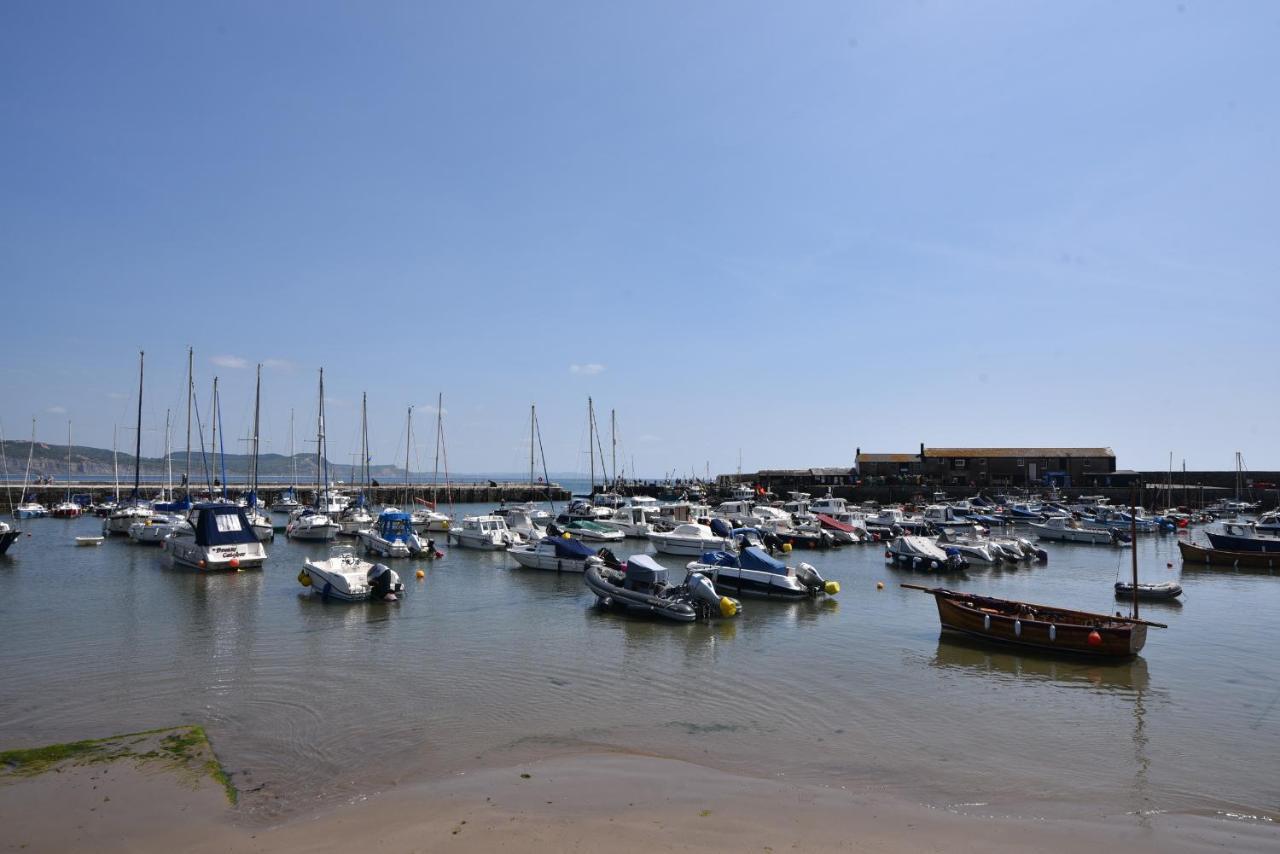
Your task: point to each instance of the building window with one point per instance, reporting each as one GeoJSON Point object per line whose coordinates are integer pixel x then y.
{"type": "Point", "coordinates": [959, 464]}
{"type": "Point", "coordinates": [982, 461]}
{"type": "Point", "coordinates": [1021, 461]}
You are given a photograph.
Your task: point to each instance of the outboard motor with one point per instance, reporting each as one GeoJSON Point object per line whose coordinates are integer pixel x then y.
{"type": "Point", "coordinates": [771, 541]}
{"type": "Point", "coordinates": [708, 600]}
{"type": "Point", "coordinates": [809, 577]}
{"type": "Point", "coordinates": [609, 558]}
{"type": "Point", "coordinates": [384, 581]}
{"type": "Point", "coordinates": [721, 528]}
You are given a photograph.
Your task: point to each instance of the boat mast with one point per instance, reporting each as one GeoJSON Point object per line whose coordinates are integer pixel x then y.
{"type": "Point", "coordinates": [68, 460]}
{"type": "Point", "coordinates": [364, 439]}
{"type": "Point", "coordinates": [293, 459]}
{"type": "Point", "coordinates": [533, 415]}
{"type": "Point", "coordinates": [190, 392]}
{"type": "Point", "coordinates": [168, 457]}
{"type": "Point", "coordinates": [408, 442]}
{"type": "Point", "coordinates": [257, 409]}
{"type": "Point", "coordinates": [115, 462]}
{"type": "Point", "coordinates": [4, 461]}
{"type": "Point", "coordinates": [137, 444]}
{"type": "Point", "coordinates": [218, 443]}
{"type": "Point", "coordinates": [320, 468]}
{"type": "Point", "coordinates": [31, 449]}
{"type": "Point", "coordinates": [435, 478]}
{"type": "Point", "coordinates": [1133, 537]}
{"type": "Point", "coordinates": [613, 437]}
{"type": "Point", "coordinates": [591, 447]}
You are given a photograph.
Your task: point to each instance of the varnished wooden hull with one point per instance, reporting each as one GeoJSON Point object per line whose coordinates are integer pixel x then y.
{"type": "Point", "coordinates": [1117, 640]}
{"type": "Point", "coordinates": [1191, 553]}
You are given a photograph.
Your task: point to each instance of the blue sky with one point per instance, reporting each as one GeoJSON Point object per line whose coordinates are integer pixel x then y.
{"type": "Point", "coordinates": [790, 229]}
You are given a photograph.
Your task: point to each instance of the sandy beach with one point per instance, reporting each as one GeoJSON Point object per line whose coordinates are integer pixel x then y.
{"type": "Point", "coordinates": [613, 802]}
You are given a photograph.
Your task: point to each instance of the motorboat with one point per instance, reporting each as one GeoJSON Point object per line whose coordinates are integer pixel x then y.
{"type": "Point", "coordinates": [580, 508]}
{"type": "Point", "coordinates": [217, 536]}
{"type": "Point", "coordinates": [519, 521]}
{"type": "Point", "coordinates": [153, 530]}
{"type": "Point", "coordinates": [8, 534]}
{"type": "Point", "coordinates": [124, 516]}
{"type": "Point", "coordinates": [311, 525]}
{"type": "Point", "coordinates": [1069, 530]}
{"type": "Point", "coordinates": [846, 529]}
{"type": "Point", "coordinates": [1108, 518]}
{"type": "Point", "coordinates": [642, 586]}
{"type": "Point", "coordinates": [394, 536]}
{"type": "Point", "coordinates": [354, 518]}
{"type": "Point", "coordinates": [1242, 537]}
{"type": "Point", "coordinates": [287, 502]}
{"type": "Point", "coordinates": [346, 577]}
{"type": "Point", "coordinates": [66, 510]}
{"type": "Point", "coordinates": [30, 510]}
{"type": "Point", "coordinates": [974, 549]}
{"type": "Point", "coordinates": [920, 552]}
{"type": "Point", "coordinates": [1025, 511]}
{"type": "Point", "coordinates": [592, 532]}
{"type": "Point", "coordinates": [896, 521]}
{"type": "Point", "coordinates": [801, 535]}
{"type": "Point", "coordinates": [753, 573]}
{"type": "Point", "coordinates": [1268, 523]}
{"type": "Point", "coordinates": [1015, 549]}
{"type": "Point", "coordinates": [483, 532]}
{"type": "Point", "coordinates": [737, 513]}
{"type": "Point", "coordinates": [766, 514]}
{"type": "Point", "coordinates": [556, 554]}
{"type": "Point", "coordinates": [631, 520]}
{"type": "Point", "coordinates": [429, 520]}
{"type": "Point", "coordinates": [945, 516]}
{"type": "Point", "coordinates": [263, 526]}
{"type": "Point", "coordinates": [829, 505]}
{"type": "Point", "coordinates": [80, 541]}
{"type": "Point", "coordinates": [692, 539]}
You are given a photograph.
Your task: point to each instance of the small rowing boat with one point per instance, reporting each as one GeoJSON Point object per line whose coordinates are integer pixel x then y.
{"type": "Point", "coordinates": [89, 541]}
{"type": "Point", "coordinates": [1058, 630]}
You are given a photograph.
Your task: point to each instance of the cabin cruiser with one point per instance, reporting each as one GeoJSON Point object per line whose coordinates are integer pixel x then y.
{"type": "Point", "coordinates": [156, 528]}
{"type": "Point", "coordinates": [642, 586]}
{"type": "Point", "coordinates": [556, 554]}
{"type": "Point", "coordinates": [216, 536]}
{"type": "Point", "coordinates": [679, 512]}
{"type": "Point", "coordinates": [427, 518]}
{"type": "Point", "coordinates": [945, 516]}
{"type": "Point", "coordinates": [584, 530]}
{"type": "Point", "coordinates": [1113, 517]}
{"type": "Point", "coordinates": [1025, 511]}
{"type": "Point", "coordinates": [611, 500]}
{"type": "Point", "coordinates": [828, 504]}
{"type": "Point", "coordinates": [348, 578]}
{"type": "Point", "coordinates": [923, 553]}
{"type": "Point", "coordinates": [354, 518]}
{"type": "Point", "coordinates": [30, 510]}
{"type": "Point", "coordinates": [394, 536]}
{"type": "Point", "coordinates": [894, 519]}
{"type": "Point", "coordinates": [311, 525]}
{"type": "Point", "coordinates": [580, 508]}
{"type": "Point", "coordinates": [765, 514]}
{"type": "Point", "coordinates": [805, 535]}
{"type": "Point", "coordinates": [798, 508]}
{"type": "Point", "coordinates": [263, 526]}
{"type": "Point", "coordinates": [631, 520]}
{"type": "Point", "coordinates": [124, 516]}
{"type": "Point", "coordinates": [735, 512]}
{"type": "Point", "coordinates": [754, 573]}
{"type": "Point", "coordinates": [974, 549]}
{"type": "Point", "coordinates": [692, 539]}
{"type": "Point", "coordinates": [286, 503]}
{"type": "Point", "coordinates": [1069, 530]}
{"type": "Point", "coordinates": [1268, 523]}
{"type": "Point", "coordinates": [845, 527]}
{"type": "Point", "coordinates": [483, 532]}
{"type": "Point", "coordinates": [66, 510]}
{"type": "Point", "coordinates": [1242, 537]}
{"type": "Point", "coordinates": [519, 521]}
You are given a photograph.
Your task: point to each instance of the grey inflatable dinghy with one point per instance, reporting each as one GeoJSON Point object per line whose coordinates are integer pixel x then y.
{"type": "Point", "coordinates": [641, 586]}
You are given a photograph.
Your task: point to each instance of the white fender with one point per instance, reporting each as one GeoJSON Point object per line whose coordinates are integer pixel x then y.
{"type": "Point", "coordinates": [1053, 633]}
{"type": "Point", "coordinates": [986, 622]}
{"type": "Point", "coordinates": [1017, 628]}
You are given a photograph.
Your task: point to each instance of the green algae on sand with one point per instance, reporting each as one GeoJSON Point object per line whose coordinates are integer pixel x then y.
{"type": "Point", "coordinates": [184, 749]}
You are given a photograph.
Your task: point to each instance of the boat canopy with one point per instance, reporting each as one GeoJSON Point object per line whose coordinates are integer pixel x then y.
{"type": "Point", "coordinates": [719, 558]}
{"type": "Point", "coordinates": [395, 525]}
{"type": "Point", "coordinates": [754, 558]}
{"type": "Point", "coordinates": [643, 569]}
{"type": "Point", "coordinates": [572, 549]}
{"type": "Point", "coordinates": [222, 525]}
{"type": "Point", "coordinates": [181, 506]}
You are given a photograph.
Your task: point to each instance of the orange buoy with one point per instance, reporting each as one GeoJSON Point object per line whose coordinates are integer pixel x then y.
{"type": "Point", "coordinates": [1095, 639]}
{"type": "Point", "coordinates": [234, 563]}
{"type": "Point", "coordinates": [421, 575]}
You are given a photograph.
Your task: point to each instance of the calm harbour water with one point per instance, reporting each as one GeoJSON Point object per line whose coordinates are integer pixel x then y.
{"type": "Point", "coordinates": [484, 663]}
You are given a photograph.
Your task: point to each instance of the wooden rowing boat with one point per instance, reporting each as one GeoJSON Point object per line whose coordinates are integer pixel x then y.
{"type": "Point", "coordinates": [1057, 630]}
{"type": "Point", "coordinates": [1191, 553]}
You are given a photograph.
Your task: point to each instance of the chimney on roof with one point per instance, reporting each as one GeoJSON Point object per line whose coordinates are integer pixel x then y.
{"type": "Point", "coordinates": [922, 452]}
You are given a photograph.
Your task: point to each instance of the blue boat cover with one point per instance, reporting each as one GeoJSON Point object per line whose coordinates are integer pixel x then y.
{"type": "Point", "coordinates": [645, 569]}
{"type": "Point", "coordinates": [174, 506]}
{"type": "Point", "coordinates": [738, 532]}
{"type": "Point", "coordinates": [720, 528]}
{"type": "Point", "coordinates": [720, 559]}
{"type": "Point", "coordinates": [571, 549]}
{"type": "Point", "coordinates": [395, 526]}
{"type": "Point", "coordinates": [757, 559]}
{"type": "Point", "coordinates": [222, 525]}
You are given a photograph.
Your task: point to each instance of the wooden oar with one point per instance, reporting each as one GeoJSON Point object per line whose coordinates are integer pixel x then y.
{"type": "Point", "coordinates": [944, 591]}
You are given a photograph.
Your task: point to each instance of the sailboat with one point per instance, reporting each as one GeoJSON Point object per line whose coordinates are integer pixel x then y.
{"type": "Point", "coordinates": [8, 533]}
{"type": "Point", "coordinates": [355, 517]}
{"type": "Point", "coordinates": [136, 510]}
{"type": "Point", "coordinates": [259, 521]}
{"type": "Point", "coordinates": [288, 500]}
{"type": "Point", "coordinates": [426, 515]}
{"type": "Point", "coordinates": [67, 509]}
{"type": "Point", "coordinates": [29, 509]}
{"type": "Point", "coordinates": [314, 524]}
{"type": "Point", "coordinates": [529, 519]}
{"type": "Point", "coordinates": [157, 527]}
{"type": "Point", "coordinates": [179, 506]}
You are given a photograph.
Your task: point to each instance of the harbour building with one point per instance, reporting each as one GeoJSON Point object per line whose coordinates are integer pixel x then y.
{"type": "Point", "coordinates": [983, 467]}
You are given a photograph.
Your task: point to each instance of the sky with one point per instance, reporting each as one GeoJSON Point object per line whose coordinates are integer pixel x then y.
{"type": "Point", "coordinates": [758, 231]}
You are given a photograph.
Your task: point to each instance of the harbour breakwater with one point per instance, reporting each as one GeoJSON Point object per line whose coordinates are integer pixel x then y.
{"type": "Point", "coordinates": [454, 493]}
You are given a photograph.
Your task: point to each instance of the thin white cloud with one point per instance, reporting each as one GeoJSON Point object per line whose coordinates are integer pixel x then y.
{"type": "Point", "coordinates": [230, 362]}
{"type": "Point", "coordinates": [277, 364]}
{"type": "Point", "coordinates": [57, 410]}
{"type": "Point", "coordinates": [590, 369]}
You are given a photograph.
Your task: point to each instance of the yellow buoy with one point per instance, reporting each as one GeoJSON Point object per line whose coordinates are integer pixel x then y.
{"type": "Point", "coordinates": [786, 548]}
{"type": "Point", "coordinates": [831, 588]}
{"type": "Point", "coordinates": [421, 575]}
{"type": "Point", "coordinates": [304, 578]}
{"type": "Point", "coordinates": [728, 607]}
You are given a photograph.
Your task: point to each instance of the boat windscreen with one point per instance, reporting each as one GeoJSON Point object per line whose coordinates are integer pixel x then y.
{"type": "Point", "coordinates": [223, 525]}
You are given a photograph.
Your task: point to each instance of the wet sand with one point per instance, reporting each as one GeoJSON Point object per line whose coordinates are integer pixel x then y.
{"type": "Point", "coordinates": [617, 802]}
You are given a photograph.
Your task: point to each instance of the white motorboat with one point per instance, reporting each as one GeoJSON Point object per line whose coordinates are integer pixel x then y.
{"type": "Point", "coordinates": [753, 573]}
{"type": "Point", "coordinates": [348, 578]}
{"type": "Point", "coordinates": [736, 513]}
{"type": "Point", "coordinates": [556, 554]}
{"type": "Point", "coordinates": [394, 536]}
{"type": "Point", "coordinates": [581, 529]}
{"type": "Point", "coordinates": [354, 519]}
{"type": "Point", "coordinates": [153, 530]}
{"type": "Point", "coordinates": [87, 541]}
{"type": "Point", "coordinates": [691, 539]}
{"type": "Point", "coordinates": [313, 526]}
{"type": "Point", "coordinates": [264, 528]}
{"type": "Point", "coordinates": [894, 518]}
{"type": "Point", "coordinates": [974, 549]}
{"type": "Point", "coordinates": [430, 520]}
{"type": "Point", "coordinates": [217, 536]}
{"type": "Point", "coordinates": [30, 510]}
{"type": "Point", "coordinates": [286, 503]}
{"type": "Point", "coordinates": [919, 552]}
{"type": "Point", "coordinates": [945, 516]}
{"type": "Point", "coordinates": [631, 520]}
{"type": "Point", "coordinates": [483, 532]}
{"type": "Point", "coordinates": [125, 516]}
{"type": "Point", "coordinates": [519, 521]}
{"type": "Point", "coordinates": [1068, 530]}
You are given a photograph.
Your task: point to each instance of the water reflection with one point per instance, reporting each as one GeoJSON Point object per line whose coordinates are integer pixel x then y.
{"type": "Point", "coordinates": [962, 654]}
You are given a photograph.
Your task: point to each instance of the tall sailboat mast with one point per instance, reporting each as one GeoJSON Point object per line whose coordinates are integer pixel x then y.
{"type": "Point", "coordinates": [137, 444]}
{"type": "Point", "coordinates": [613, 438]}
{"type": "Point", "coordinates": [168, 456]}
{"type": "Point", "coordinates": [257, 409]}
{"type": "Point", "coordinates": [31, 449]}
{"type": "Point", "coordinates": [435, 478]}
{"type": "Point", "coordinates": [292, 458]}
{"type": "Point", "coordinates": [591, 443]}
{"type": "Point", "coordinates": [218, 439]}
{"type": "Point", "coordinates": [533, 416]}
{"type": "Point", "coordinates": [408, 442]}
{"type": "Point", "coordinates": [322, 473]}
{"type": "Point", "coordinates": [190, 393]}
{"type": "Point", "coordinates": [68, 460]}
{"type": "Point", "coordinates": [115, 461]}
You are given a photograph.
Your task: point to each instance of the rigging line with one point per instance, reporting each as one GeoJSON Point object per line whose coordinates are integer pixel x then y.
{"type": "Point", "coordinates": [546, 476]}
{"type": "Point", "coordinates": [204, 460]}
